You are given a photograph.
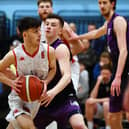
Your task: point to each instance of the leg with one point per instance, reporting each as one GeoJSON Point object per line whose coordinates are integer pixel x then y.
{"type": "Point", "coordinates": [69, 111]}
{"type": "Point", "coordinates": [25, 122]}
{"type": "Point", "coordinates": [90, 110]}
{"type": "Point", "coordinates": [106, 113]}
{"type": "Point", "coordinates": [115, 115]}
{"type": "Point", "coordinates": [10, 126]}
{"type": "Point", "coordinates": [115, 120]}
{"type": "Point", "coordinates": [74, 121]}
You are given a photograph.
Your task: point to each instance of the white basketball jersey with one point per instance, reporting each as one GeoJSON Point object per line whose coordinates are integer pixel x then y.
{"type": "Point", "coordinates": [43, 36]}
{"type": "Point", "coordinates": [36, 64]}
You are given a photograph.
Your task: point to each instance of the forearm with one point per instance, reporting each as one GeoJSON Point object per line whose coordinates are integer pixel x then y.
{"type": "Point", "coordinates": [64, 81]}
{"type": "Point", "coordinates": [121, 63]}
{"type": "Point", "coordinates": [101, 100]}
{"type": "Point", "coordinates": [94, 92]}
{"type": "Point", "coordinates": [76, 47]}
{"type": "Point", "coordinates": [4, 79]}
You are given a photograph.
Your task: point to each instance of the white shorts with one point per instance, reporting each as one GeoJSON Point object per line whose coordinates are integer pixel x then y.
{"type": "Point", "coordinates": [18, 107]}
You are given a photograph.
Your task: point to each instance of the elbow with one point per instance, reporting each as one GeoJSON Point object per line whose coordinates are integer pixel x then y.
{"type": "Point", "coordinates": [124, 52]}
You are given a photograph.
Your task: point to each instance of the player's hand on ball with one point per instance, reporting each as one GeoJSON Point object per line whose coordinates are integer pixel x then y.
{"type": "Point", "coordinates": [17, 84]}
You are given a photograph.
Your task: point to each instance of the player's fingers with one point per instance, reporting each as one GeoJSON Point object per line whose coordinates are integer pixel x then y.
{"type": "Point", "coordinates": [44, 89]}
{"type": "Point", "coordinates": [112, 90]}
{"type": "Point", "coordinates": [17, 89]}
{"type": "Point", "coordinates": [118, 91]}
{"type": "Point", "coordinates": [44, 102]}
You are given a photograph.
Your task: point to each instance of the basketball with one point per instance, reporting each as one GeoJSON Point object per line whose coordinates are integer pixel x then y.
{"type": "Point", "coordinates": [31, 89]}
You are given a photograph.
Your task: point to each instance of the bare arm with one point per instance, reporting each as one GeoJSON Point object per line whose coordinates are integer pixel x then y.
{"type": "Point", "coordinates": [93, 34]}
{"type": "Point", "coordinates": [95, 90]}
{"type": "Point", "coordinates": [120, 27]}
{"type": "Point", "coordinates": [63, 58]}
{"type": "Point", "coordinates": [75, 46]}
{"type": "Point", "coordinates": [4, 64]}
{"type": "Point", "coordinates": [4, 76]}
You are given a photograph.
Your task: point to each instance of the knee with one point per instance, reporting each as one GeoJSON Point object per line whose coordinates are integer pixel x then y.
{"type": "Point", "coordinates": [79, 126]}
{"type": "Point", "coordinates": [106, 107]}
{"type": "Point", "coordinates": [88, 102]}
{"type": "Point", "coordinates": [28, 125]}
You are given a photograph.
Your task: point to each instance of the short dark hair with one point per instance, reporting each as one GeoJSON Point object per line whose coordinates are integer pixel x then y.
{"type": "Point", "coordinates": [40, 1]}
{"type": "Point", "coordinates": [28, 22]}
{"type": "Point", "coordinates": [106, 67]}
{"type": "Point", "coordinates": [114, 3]}
{"type": "Point", "coordinates": [105, 54]}
{"type": "Point", "coordinates": [50, 16]}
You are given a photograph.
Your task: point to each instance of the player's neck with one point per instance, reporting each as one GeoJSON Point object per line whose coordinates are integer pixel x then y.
{"type": "Point", "coordinates": [52, 40]}
{"type": "Point", "coordinates": [29, 48]}
{"type": "Point", "coordinates": [108, 18]}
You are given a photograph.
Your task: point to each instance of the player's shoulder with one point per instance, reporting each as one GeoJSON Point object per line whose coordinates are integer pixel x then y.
{"type": "Point", "coordinates": [62, 51]}
{"type": "Point", "coordinates": [119, 19]}
{"type": "Point", "coordinates": [62, 47]}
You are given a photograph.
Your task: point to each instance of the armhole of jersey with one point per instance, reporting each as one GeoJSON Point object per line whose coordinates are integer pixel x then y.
{"type": "Point", "coordinates": [48, 54]}
{"type": "Point", "coordinates": [15, 62]}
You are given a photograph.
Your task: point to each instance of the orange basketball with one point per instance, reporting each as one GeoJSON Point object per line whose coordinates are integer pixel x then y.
{"type": "Point", "coordinates": [31, 89]}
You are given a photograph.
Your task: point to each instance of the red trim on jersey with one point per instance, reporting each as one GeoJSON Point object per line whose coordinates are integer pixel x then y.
{"type": "Point", "coordinates": [29, 53]}
{"type": "Point", "coordinates": [15, 62]}
{"type": "Point", "coordinates": [48, 53]}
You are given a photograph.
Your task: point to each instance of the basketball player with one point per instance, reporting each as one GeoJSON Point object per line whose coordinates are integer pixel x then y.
{"type": "Point", "coordinates": [60, 103]}
{"type": "Point", "coordinates": [30, 58]}
{"type": "Point", "coordinates": [45, 8]}
{"type": "Point", "coordinates": [117, 31]}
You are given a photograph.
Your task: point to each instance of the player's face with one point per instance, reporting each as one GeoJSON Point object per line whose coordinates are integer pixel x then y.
{"type": "Point", "coordinates": [44, 9]}
{"type": "Point", "coordinates": [106, 75]}
{"type": "Point", "coordinates": [52, 28]}
{"type": "Point", "coordinates": [33, 36]}
{"type": "Point", "coordinates": [105, 7]}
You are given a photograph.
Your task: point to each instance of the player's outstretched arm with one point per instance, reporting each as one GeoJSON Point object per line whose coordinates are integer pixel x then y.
{"type": "Point", "coordinates": [92, 34]}
{"type": "Point", "coordinates": [75, 46]}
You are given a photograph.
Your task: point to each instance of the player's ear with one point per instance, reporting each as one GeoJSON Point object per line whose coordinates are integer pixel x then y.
{"type": "Point", "coordinates": [61, 31]}
{"type": "Point", "coordinates": [24, 34]}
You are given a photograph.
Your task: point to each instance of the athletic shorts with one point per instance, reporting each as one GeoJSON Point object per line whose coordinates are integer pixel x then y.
{"type": "Point", "coordinates": [60, 114]}
{"type": "Point", "coordinates": [18, 107]}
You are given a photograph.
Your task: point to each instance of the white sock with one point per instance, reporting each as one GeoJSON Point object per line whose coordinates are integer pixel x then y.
{"type": "Point", "coordinates": [108, 127]}
{"type": "Point", "coordinates": [90, 124]}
